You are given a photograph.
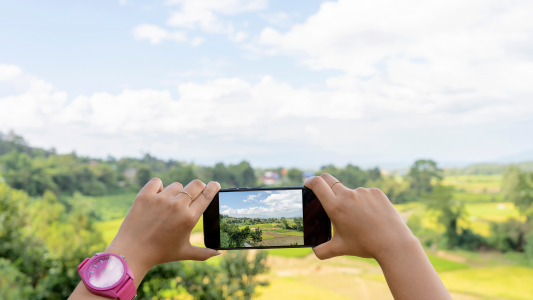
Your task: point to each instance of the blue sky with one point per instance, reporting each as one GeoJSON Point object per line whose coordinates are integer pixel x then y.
{"type": "Point", "coordinates": [262, 204]}
{"type": "Point", "coordinates": [291, 83]}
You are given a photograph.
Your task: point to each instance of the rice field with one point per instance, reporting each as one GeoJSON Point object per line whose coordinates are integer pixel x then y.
{"type": "Point", "coordinates": [297, 274]}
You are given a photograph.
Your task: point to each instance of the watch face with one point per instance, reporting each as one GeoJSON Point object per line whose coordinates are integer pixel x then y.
{"type": "Point", "coordinates": [105, 271]}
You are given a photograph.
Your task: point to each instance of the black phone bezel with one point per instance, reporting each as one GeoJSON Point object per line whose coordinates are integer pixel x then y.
{"type": "Point", "coordinates": [212, 229]}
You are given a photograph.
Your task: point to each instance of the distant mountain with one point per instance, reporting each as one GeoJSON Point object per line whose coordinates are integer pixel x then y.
{"type": "Point", "coordinates": [517, 158]}
{"type": "Point", "coordinates": [487, 168]}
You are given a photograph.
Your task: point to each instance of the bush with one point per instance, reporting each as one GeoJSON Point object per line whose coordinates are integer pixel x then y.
{"type": "Point", "coordinates": [509, 235]}
{"type": "Point", "coordinates": [14, 285]}
{"type": "Point", "coordinates": [468, 240]}
{"type": "Point", "coordinates": [234, 278]}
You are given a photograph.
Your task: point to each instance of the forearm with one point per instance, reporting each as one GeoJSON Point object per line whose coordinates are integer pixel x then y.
{"type": "Point", "coordinates": [410, 275]}
{"type": "Point", "coordinates": [139, 271]}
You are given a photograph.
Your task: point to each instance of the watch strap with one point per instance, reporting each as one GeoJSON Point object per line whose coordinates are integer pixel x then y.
{"type": "Point", "coordinates": [83, 264]}
{"type": "Point", "coordinates": [127, 291]}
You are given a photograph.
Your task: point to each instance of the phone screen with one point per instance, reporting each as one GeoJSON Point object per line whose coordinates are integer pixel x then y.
{"type": "Point", "coordinates": [265, 218]}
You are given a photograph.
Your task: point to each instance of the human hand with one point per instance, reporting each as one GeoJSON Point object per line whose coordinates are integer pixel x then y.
{"type": "Point", "coordinates": [365, 223]}
{"type": "Point", "coordinates": [158, 226]}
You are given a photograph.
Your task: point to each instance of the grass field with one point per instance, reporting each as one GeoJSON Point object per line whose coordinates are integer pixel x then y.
{"type": "Point", "coordinates": [269, 225]}
{"type": "Point", "coordinates": [507, 282]}
{"type": "Point", "coordinates": [297, 274]}
{"type": "Point", "coordinates": [266, 236]}
{"type": "Point", "coordinates": [281, 237]}
{"type": "Point", "coordinates": [476, 197]}
{"type": "Point", "coordinates": [475, 183]}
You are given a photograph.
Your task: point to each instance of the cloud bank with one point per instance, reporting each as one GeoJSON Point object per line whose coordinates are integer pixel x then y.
{"type": "Point", "coordinates": [278, 204]}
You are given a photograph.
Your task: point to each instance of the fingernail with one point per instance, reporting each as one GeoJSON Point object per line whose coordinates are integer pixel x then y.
{"type": "Point", "coordinates": [218, 253]}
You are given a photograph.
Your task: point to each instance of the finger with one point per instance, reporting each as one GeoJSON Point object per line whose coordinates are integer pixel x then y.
{"type": "Point", "coordinates": [173, 189]}
{"type": "Point", "coordinates": [321, 190]}
{"type": "Point", "coordinates": [200, 204]}
{"type": "Point", "coordinates": [329, 249]}
{"type": "Point", "coordinates": [199, 253]}
{"type": "Point", "coordinates": [194, 188]}
{"type": "Point", "coordinates": [335, 187]}
{"type": "Point", "coordinates": [153, 186]}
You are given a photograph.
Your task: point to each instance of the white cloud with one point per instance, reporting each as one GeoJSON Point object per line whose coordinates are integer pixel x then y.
{"type": "Point", "coordinates": [230, 117]}
{"type": "Point", "coordinates": [203, 14]}
{"type": "Point", "coordinates": [286, 203]}
{"type": "Point", "coordinates": [156, 35]}
{"type": "Point", "coordinates": [420, 57]}
{"type": "Point", "coordinates": [281, 18]}
{"type": "Point", "coordinates": [251, 198]}
{"type": "Point", "coordinates": [227, 7]}
{"type": "Point", "coordinates": [197, 41]}
{"type": "Point", "coordinates": [33, 108]}
{"type": "Point", "coordinates": [8, 72]}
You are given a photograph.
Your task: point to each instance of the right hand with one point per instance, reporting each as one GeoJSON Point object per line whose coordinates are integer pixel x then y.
{"type": "Point", "coordinates": [365, 223]}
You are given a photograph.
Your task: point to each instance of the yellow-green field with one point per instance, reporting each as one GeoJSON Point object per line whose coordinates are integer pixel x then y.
{"type": "Point", "coordinates": [269, 225]}
{"type": "Point", "coordinates": [475, 183]}
{"type": "Point", "coordinates": [297, 274]}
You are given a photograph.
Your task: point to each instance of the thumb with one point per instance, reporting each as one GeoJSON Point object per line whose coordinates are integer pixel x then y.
{"type": "Point", "coordinates": [329, 249]}
{"type": "Point", "coordinates": [200, 253]}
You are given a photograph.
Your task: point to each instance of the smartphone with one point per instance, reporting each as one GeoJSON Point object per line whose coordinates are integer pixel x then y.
{"type": "Point", "coordinates": [265, 218]}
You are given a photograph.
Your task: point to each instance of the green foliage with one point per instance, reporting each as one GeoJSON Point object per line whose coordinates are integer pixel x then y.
{"type": "Point", "coordinates": [12, 141]}
{"type": "Point", "coordinates": [44, 243]}
{"type": "Point", "coordinates": [232, 236]}
{"type": "Point", "coordinates": [421, 175]}
{"type": "Point", "coordinates": [509, 235]}
{"type": "Point", "coordinates": [256, 236]}
{"type": "Point", "coordinates": [295, 177]}
{"type": "Point", "coordinates": [182, 174]}
{"type": "Point", "coordinates": [351, 176]}
{"type": "Point", "coordinates": [528, 247]}
{"type": "Point", "coordinates": [235, 277]}
{"type": "Point", "coordinates": [241, 175]}
{"type": "Point", "coordinates": [143, 175]}
{"type": "Point", "coordinates": [299, 223]}
{"type": "Point", "coordinates": [397, 191]}
{"type": "Point", "coordinates": [14, 285]}
{"type": "Point", "coordinates": [468, 240]}
{"type": "Point", "coordinates": [448, 211]}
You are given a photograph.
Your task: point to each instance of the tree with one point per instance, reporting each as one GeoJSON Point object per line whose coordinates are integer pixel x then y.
{"type": "Point", "coordinates": [256, 236]}
{"type": "Point", "coordinates": [421, 175]}
{"type": "Point", "coordinates": [298, 221]}
{"type": "Point", "coordinates": [448, 212]}
{"type": "Point", "coordinates": [295, 176]}
{"type": "Point", "coordinates": [243, 175]}
{"type": "Point", "coordinates": [182, 174]}
{"type": "Point", "coordinates": [374, 174]}
{"type": "Point", "coordinates": [143, 175]}
{"type": "Point", "coordinates": [510, 182]}
{"type": "Point", "coordinates": [14, 285]}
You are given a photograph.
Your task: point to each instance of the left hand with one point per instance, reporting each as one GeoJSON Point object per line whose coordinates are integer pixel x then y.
{"type": "Point", "coordinates": [158, 226]}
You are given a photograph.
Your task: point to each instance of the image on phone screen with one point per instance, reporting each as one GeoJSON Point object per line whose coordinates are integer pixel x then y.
{"type": "Point", "coordinates": [265, 218]}
{"type": "Point", "coordinates": [261, 218]}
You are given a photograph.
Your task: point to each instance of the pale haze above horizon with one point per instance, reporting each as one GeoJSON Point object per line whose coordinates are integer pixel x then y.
{"type": "Point", "coordinates": [277, 83]}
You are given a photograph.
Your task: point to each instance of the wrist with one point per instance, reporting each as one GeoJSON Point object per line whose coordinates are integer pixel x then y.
{"type": "Point", "coordinates": [133, 258]}
{"type": "Point", "coordinates": [405, 249]}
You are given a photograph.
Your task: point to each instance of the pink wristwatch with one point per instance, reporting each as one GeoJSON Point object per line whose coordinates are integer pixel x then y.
{"type": "Point", "coordinates": [108, 275]}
